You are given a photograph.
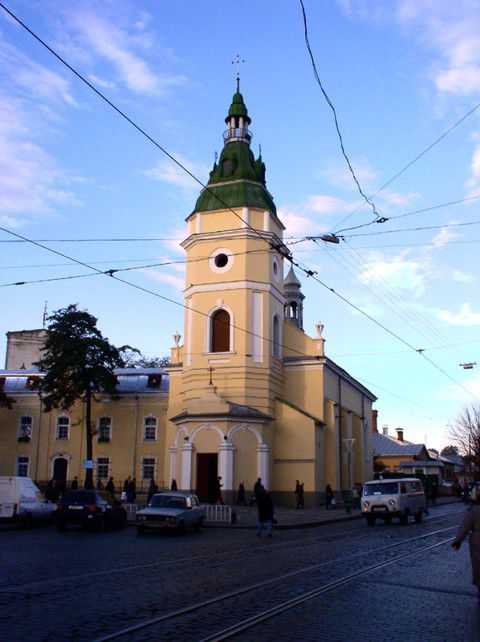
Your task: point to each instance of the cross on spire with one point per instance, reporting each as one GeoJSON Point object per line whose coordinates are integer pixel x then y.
{"type": "Point", "coordinates": [238, 61]}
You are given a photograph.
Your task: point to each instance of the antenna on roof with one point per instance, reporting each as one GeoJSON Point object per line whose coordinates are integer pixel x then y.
{"type": "Point", "coordinates": [45, 313]}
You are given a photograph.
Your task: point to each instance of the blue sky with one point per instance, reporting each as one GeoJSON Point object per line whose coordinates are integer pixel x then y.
{"type": "Point", "coordinates": [399, 73]}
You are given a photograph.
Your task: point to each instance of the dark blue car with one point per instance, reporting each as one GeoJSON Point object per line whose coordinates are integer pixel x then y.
{"type": "Point", "coordinates": [89, 508]}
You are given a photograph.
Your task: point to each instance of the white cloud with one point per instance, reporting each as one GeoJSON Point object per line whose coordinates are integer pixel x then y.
{"type": "Point", "coordinates": [462, 277]}
{"type": "Point", "coordinates": [444, 236]}
{"type": "Point", "coordinates": [465, 316]}
{"type": "Point", "coordinates": [399, 271]}
{"type": "Point", "coordinates": [325, 204]}
{"type": "Point", "coordinates": [167, 171]}
{"type": "Point", "coordinates": [114, 44]}
{"type": "Point", "coordinates": [473, 182]}
{"type": "Point", "coordinates": [338, 175]}
{"type": "Point", "coordinates": [31, 183]}
{"type": "Point", "coordinates": [177, 282]}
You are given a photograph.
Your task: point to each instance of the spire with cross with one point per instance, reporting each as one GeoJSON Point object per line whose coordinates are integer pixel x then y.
{"type": "Point", "coordinates": [238, 61]}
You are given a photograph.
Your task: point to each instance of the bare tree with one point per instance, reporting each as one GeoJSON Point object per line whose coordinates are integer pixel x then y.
{"type": "Point", "coordinates": [465, 432]}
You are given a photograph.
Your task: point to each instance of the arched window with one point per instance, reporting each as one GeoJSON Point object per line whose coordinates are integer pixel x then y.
{"type": "Point", "coordinates": [220, 331]}
{"type": "Point", "coordinates": [276, 337]}
{"type": "Point", "coordinates": [294, 310]}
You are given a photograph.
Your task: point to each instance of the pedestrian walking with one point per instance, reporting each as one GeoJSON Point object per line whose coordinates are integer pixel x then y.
{"type": "Point", "coordinates": [241, 495]}
{"type": "Point", "coordinates": [127, 489]}
{"type": "Point", "coordinates": [133, 492]}
{"type": "Point", "coordinates": [217, 488]}
{"type": "Point", "coordinates": [299, 494]}
{"type": "Point", "coordinates": [471, 526]}
{"type": "Point", "coordinates": [100, 484]}
{"type": "Point", "coordinates": [51, 492]}
{"type": "Point", "coordinates": [356, 495]}
{"type": "Point", "coordinates": [152, 489]}
{"type": "Point", "coordinates": [257, 488]}
{"type": "Point", "coordinates": [265, 512]}
{"type": "Point", "coordinates": [173, 485]}
{"type": "Point", "coordinates": [74, 485]}
{"type": "Point", "coordinates": [110, 487]}
{"type": "Point", "coordinates": [329, 496]}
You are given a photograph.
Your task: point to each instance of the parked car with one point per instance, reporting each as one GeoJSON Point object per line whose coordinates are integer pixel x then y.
{"type": "Point", "coordinates": [89, 508]}
{"type": "Point", "coordinates": [388, 498]}
{"type": "Point", "coordinates": [22, 502]}
{"type": "Point", "coordinates": [171, 510]}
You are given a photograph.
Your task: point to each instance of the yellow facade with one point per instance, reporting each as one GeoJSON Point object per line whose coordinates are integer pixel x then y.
{"type": "Point", "coordinates": [268, 404]}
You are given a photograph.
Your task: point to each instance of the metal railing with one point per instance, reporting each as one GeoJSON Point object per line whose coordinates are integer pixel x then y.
{"type": "Point", "coordinates": [237, 132]}
{"type": "Point", "coordinates": [218, 513]}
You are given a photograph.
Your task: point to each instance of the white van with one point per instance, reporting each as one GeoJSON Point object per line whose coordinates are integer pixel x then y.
{"type": "Point", "coordinates": [21, 501]}
{"type": "Point", "coordinates": [387, 498]}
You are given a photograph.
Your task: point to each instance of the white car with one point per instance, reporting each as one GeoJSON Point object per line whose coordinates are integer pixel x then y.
{"type": "Point", "coordinates": [171, 510]}
{"type": "Point", "coordinates": [21, 501]}
{"type": "Point", "coordinates": [387, 498]}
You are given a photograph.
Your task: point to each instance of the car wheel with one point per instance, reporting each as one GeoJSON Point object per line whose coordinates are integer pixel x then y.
{"type": "Point", "coordinates": [140, 530]}
{"type": "Point", "coordinates": [198, 525]}
{"type": "Point", "coordinates": [61, 526]}
{"type": "Point", "coordinates": [388, 520]}
{"type": "Point", "coordinates": [404, 518]}
{"type": "Point", "coordinates": [181, 528]}
{"type": "Point", "coordinates": [418, 517]}
{"type": "Point", "coordinates": [371, 520]}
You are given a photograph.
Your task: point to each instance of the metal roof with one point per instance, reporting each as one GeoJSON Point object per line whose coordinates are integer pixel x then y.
{"type": "Point", "coordinates": [130, 380]}
{"type": "Point", "coordinates": [385, 445]}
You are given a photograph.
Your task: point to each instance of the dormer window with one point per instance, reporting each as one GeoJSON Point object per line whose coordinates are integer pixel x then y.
{"type": "Point", "coordinates": [33, 383]}
{"type": "Point", "coordinates": [154, 381]}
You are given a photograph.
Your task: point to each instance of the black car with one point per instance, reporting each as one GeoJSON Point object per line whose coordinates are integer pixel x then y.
{"type": "Point", "coordinates": [89, 508]}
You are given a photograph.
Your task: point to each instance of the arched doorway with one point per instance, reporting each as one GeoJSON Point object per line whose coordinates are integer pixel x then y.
{"type": "Point", "coordinates": [60, 467]}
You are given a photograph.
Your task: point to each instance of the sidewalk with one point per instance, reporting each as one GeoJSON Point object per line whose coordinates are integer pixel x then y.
{"type": "Point", "coordinates": [288, 518]}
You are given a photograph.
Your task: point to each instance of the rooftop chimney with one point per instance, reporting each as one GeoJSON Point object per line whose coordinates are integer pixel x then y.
{"type": "Point", "coordinates": [400, 434]}
{"type": "Point", "coordinates": [385, 430]}
{"type": "Point", "coordinates": [374, 421]}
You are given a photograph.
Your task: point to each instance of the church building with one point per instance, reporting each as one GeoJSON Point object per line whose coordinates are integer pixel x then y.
{"type": "Point", "coordinates": [248, 392]}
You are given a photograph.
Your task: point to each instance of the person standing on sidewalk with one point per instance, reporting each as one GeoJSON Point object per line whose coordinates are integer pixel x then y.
{"type": "Point", "coordinates": [265, 512]}
{"type": "Point", "coordinates": [328, 496]}
{"type": "Point", "coordinates": [299, 494]}
{"type": "Point", "coordinates": [471, 525]}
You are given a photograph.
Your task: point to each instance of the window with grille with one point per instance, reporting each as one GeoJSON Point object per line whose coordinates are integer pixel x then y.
{"type": "Point", "coordinates": [22, 466]}
{"type": "Point", "coordinates": [150, 429]}
{"type": "Point", "coordinates": [103, 467]}
{"type": "Point", "coordinates": [104, 429]}
{"type": "Point", "coordinates": [63, 426]}
{"type": "Point", "coordinates": [220, 331]}
{"type": "Point", "coordinates": [25, 432]}
{"type": "Point", "coordinates": [148, 468]}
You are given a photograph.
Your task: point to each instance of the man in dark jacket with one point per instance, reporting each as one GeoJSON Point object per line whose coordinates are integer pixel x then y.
{"type": "Point", "coordinates": [265, 511]}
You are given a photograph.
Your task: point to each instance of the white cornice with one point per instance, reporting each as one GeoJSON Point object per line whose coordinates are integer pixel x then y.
{"type": "Point", "coordinates": [235, 285]}
{"type": "Point", "coordinates": [233, 233]}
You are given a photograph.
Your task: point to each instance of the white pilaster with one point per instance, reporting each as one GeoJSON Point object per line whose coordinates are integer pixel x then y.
{"type": "Point", "coordinates": [257, 327]}
{"type": "Point", "coordinates": [186, 476]}
{"type": "Point", "coordinates": [226, 464]}
{"type": "Point", "coordinates": [245, 217]}
{"type": "Point", "coordinates": [264, 464]}
{"type": "Point", "coordinates": [173, 462]}
{"type": "Point", "coordinates": [266, 221]}
{"type": "Point", "coordinates": [198, 223]}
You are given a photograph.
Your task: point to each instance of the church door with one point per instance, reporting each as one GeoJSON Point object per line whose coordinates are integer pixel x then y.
{"type": "Point", "coordinates": [207, 467]}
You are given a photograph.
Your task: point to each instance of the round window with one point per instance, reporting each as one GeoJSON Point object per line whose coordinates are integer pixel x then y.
{"type": "Point", "coordinates": [221, 260]}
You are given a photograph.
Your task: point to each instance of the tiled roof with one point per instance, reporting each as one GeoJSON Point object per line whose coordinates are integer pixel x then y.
{"type": "Point", "coordinates": [386, 445]}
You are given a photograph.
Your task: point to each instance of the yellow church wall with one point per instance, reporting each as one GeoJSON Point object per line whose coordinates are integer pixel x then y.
{"type": "Point", "coordinates": [244, 459]}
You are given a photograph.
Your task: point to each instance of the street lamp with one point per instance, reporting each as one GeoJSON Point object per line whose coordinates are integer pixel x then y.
{"type": "Point", "coordinates": [348, 443]}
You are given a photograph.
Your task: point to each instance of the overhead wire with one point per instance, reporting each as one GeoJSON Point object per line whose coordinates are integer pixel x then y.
{"type": "Point", "coordinates": [411, 229]}
{"type": "Point", "coordinates": [334, 111]}
{"type": "Point", "coordinates": [308, 272]}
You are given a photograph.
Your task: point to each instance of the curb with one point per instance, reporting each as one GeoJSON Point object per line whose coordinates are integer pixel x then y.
{"type": "Point", "coordinates": [325, 522]}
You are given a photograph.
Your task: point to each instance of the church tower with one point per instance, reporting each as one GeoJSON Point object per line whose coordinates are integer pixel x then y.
{"type": "Point", "coordinates": [234, 279]}
{"type": "Point", "coordinates": [293, 299]}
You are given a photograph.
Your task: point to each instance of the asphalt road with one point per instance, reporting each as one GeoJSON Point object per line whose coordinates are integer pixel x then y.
{"type": "Point", "coordinates": [94, 585]}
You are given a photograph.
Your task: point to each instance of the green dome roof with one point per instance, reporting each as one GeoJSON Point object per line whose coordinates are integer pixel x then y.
{"type": "Point", "coordinates": [238, 108]}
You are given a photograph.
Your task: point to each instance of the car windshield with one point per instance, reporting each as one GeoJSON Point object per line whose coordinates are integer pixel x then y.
{"type": "Point", "coordinates": [79, 497]}
{"type": "Point", "coordinates": [167, 501]}
{"type": "Point", "coordinates": [390, 488]}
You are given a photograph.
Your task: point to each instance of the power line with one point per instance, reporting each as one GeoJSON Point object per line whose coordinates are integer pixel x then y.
{"type": "Point", "coordinates": [337, 126]}
{"type": "Point", "coordinates": [411, 229]}
{"type": "Point", "coordinates": [280, 247]}
{"type": "Point", "coordinates": [425, 209]}
{"type": "Point", "coordinates": [412, 162]}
